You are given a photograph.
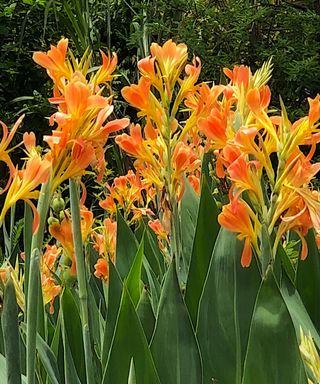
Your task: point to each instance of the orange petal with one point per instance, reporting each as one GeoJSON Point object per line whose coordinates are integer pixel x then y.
{"type": "Point", "coordinates": [246, 253]}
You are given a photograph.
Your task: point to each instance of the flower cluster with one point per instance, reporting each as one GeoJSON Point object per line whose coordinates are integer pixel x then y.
{"type": "Point", "coordinates": [244, 135]}
{"type": "Point", "coordinates": [167, 146]}
{"type": "Point", "coordinates": [131, 195]}
{"type": "Point", "coordinates": [81, 122]}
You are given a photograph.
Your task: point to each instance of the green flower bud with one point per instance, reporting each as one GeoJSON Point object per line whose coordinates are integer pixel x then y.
{"type": "Point", "coordinates": [58, 204]}
{"type": "Point", "coordinates": [53, 220]}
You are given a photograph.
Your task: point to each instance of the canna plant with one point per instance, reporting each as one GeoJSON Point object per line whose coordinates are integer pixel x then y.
{"type": "Point", "coordinates": [157, 284]}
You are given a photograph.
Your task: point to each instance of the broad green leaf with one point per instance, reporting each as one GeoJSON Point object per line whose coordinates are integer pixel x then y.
{"type": "Point", "coordinates": [47, 358]}
{"type": "Point", "coordinates": [273, 354]}
{"type": "Point", "coordinates": [308, 280]}
{"type": "Point", "coordinates": [57, 345]}
{"type": "Point", "coordinates": [225, 310]}
{"type": "Point", "coordinates": [133, 280]}
{"type": "Point", "coordinates": [188, 218]}
{"type": "Point", "coordinates": [70, 371]}
{"type": "Point", "coordinates": [132, 374]}
{"type": "Point", "coordinates": [207, 229]}
{"type": "Point", "coordinates": [3, 372]}
{"type": "Point", "coordinates": [114, 299]}
{"type": "Point", "coordinates": [129, 342]}
{"type": "Point", "coordinates": [174, 346]}
{"type": "Point", "coordinates": [126, 247]}
{"type": "Point", "coordinates": [153, 253]}
{"type": "Point", "coordinates": [154, 286]}
{"type": "Point", "coordinates": [146, 314]}
{"type": "Point", "coordinates": [11, 333]}
{"type": "Point", "coordinates": [72, 331]}
{"type": "Point", "coordinates": [298, 312]}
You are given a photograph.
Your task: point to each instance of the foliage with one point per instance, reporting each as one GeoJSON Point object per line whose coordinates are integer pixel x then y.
{"type": "Point", "coordinates": [155, 283]}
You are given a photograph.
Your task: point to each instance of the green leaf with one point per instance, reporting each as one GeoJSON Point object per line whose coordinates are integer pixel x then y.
{"type": "Point", "coordinates": [3, 372]}
{"type": "Point", "coordinates": [205, 236]}
{"type": "Point", "coordinates": [126, 247]}
{"type": "Point", "coordinates": [154, 285]}
{"type": "Point", "coordinates": [308, 280]}
{"type": "Point", "coordinates": [298, 312]}
{"type": "Point", "coordinates": [174, 346]}
{"type": "Point", "coordinates": [188, 218]}
{"type": "Point", "coordinates": [11, 333]}
{"type": "Point", "coordinates": [132, 374]}
{"type": "Point", "coordinates": [114, 299]}
{"type": "Point", "coordinates": [129, 342]}
{"type": "Point", "coordinates": [72, 331]}
{"type": "Point", "coordinates": [273, 354]}
{"type": "Point", "coordinates": [70, 371]}
{"type": "Point", "coordinates": [225, 310]}
{"type": "Point", "coordinates": [146, 314]}
{"type": "Point", "coordinates": [133, 280]}
{"type": "Point", "coordinates": [153, 253]}
{"type": "Point", "coordinates": [47, 358]}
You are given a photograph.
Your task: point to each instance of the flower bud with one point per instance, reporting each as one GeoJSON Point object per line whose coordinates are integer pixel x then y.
{"type": "Point", "coordinates": [58, 204]}
{"type": "Point", "coordinates": [53, 220]}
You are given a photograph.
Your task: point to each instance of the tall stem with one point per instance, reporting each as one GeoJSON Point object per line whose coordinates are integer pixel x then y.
{"type": "Point", "coordinates": [81, 275]}
{"type": "Point", "coordinates": [32, 315]}
{"type": "Point", "coordinates": [37, 238]}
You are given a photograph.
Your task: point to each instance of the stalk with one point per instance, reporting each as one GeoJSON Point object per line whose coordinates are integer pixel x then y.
{"type": "Point", "coordinates": [37, 238]}
{"type": "Point", "coordinates": [12, 223]}
{"type": "Point", "coordinates": [81, 276]}
{"type": "Point", "coordinates": [32, 315]}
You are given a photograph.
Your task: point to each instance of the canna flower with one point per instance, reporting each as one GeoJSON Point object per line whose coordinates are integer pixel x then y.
{"type": "Point", "coordinates": [23, 187]}
{"type": "Point", "coordinates": [171, 58]}
{"type": "Point", "coordinates": [215, 129]}
{"type": "Point", "coordinates": [166, 149]}
{"type": "Point", "coordinates": [240, 75]}
{"type": "Point", "coordinates": [54, 60]}
{"type": "Point", "coordinates": [238, 217]}
{"type": "Point", "coordinates": [4, 144]}
{"type": "Point", "coordinates": [62, 232]}
{"type": "Point", "coordinates": [314, 110]}
{"type": "Point", "coordinates": [101, 269]}
{"type": "Point", "coordinates": [83, 113]}
{"type": "Point", "coordinates": [104, 242]}
{"type": "Point", "coordinates": [8, 271]}
{"type": "Point", "coordinates": [50, 288]}
{"type": "Point", "coordinates": [109, 64]}
{"type": "Point", "coordinates": [131, 194]}
{"type": "Point", "coordinates": [246, 176]}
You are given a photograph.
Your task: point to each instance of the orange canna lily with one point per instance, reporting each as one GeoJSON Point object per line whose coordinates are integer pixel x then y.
{"type": "Point", "coordinates": [171, 58]}
{"type": "Point", "coordinates": [237, 217]}
{"type": "Point", "coordinates": [105, 243]}
{"type": "Point", "coordinates": [314, 109]}
{"type": "Point", "coordinates": [101, 269]}
{"type": "Point", "coordinates": [109, 64]}
{"type": "Point", "coordinates": [54, 60]}
{"type": "Point", "coordinates": [4, 144]}
{"type": "Point", "coordinates": [24, 184]}
{"type": "Point", "coordinates": [63, 233]}
{"type": "Point", "coordinates": [240, 75]}
{"type": "Point", "coordinates": [214, 127]}
{"type": "Point", "coordinates": [50, 288]}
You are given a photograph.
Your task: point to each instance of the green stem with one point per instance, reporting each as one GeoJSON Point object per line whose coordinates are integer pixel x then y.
{"type": "Point", "coordinates": [81, 275]}
{"type": "Point", "coordinates": [32, 315]}
{"type": "Point", "coordinates": [37, 238]}
{"type": "Point", "coordinates": [12, 222]}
